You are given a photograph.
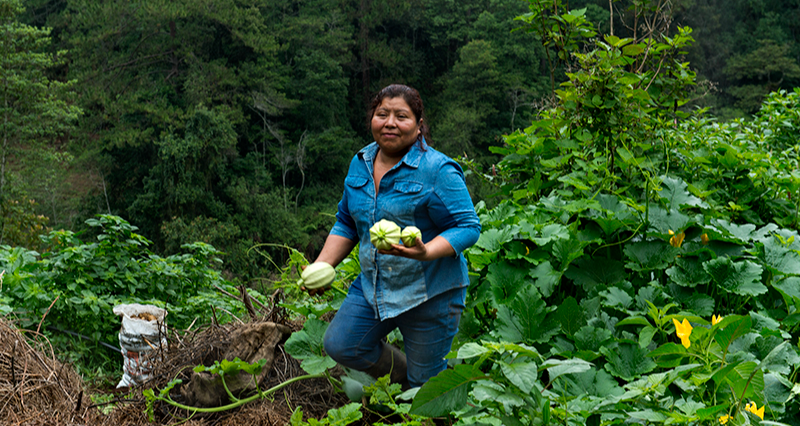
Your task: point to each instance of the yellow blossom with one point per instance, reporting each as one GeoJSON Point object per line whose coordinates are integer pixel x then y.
{"type": "Point", "coordinates": [724, 419]}
{"type": "Point", "coordinates": [752, 407]}
{"type": "Point", "coordinates": [677, 239]}
{"type": "Point", "coordinates": [715, 319]}
{"type": "Point", "coordinates": [683, 330]}
{"type": "Point", "coordinates": [671, 232]}
{"type": "Point", "coordinates": [704, 239]}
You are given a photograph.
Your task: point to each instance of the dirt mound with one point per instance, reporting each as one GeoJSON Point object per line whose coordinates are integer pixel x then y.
{"type": "Point", "coordinates": [36, 389]}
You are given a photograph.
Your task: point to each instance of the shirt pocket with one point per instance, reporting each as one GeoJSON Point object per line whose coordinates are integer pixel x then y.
{"type": "Point", "coordinates": [359, 199]}
{"type": "Point", "coordinates": [405, 197]}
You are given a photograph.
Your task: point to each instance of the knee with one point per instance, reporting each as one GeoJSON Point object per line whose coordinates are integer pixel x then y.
{"type": "Point", "coordinates": [345, 352]}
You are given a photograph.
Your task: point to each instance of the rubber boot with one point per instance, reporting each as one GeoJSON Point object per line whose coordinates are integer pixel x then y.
{"type": "Point", "coordinates": [393, 362]}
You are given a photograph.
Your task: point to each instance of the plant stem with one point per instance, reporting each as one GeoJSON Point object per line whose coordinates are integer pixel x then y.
{"type": "Point", "coordinates": [240, 402]}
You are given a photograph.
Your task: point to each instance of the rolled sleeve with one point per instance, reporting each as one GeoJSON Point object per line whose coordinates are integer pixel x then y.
{"type": "Point", "coordinates": [345, 226]}
{"type": "Point", "coordinates": [451, 208]}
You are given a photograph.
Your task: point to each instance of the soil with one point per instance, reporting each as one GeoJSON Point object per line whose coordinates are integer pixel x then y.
{"type": "Point", "coordinates": [36, 389]}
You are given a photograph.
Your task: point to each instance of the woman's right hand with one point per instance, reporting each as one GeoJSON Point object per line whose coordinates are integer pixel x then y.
{"type": "Point", "coordinates": [314, 291]}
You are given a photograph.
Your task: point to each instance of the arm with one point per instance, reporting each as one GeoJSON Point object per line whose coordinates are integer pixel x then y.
{"type": "Point", "coordinates": [336, 248]}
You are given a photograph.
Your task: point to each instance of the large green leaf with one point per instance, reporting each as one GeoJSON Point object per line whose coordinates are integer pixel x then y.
{"type": "Point", "coordinates": [664, 221]}
{"type": "Point", "coordinates": [593, 382]}
{"type": "Point", "coordinates": [780, 258]}
{"type": "Point", "coordinates": [571, 316]}
{"type": "Point", "coordinates": [738, 233]}
{"type": "Point", "coordinates": [493, 239]}
{"type": "Point", "coordinates": [550, 233]}
{"type": "Point", "coordinates": [742, 278]}
{"type": "Point", "coordinates": [525, 319]}
{"type": "Point", "coordinates": [676, 194]}
{"type": "Point", "coordinates": [746, 380]}
{"type": "Point", "coordinates": [628, 361]}
{"type": "Point", "coordinates": [669, 354]}
{"type": "Point", "coordinates": [306, 345]}
{"type": "Point", "coordinates": [591, 271]}
{"type": "Point", "coordinates": [688, 272]}
{"type": "Point", "coordinates": [557, 367]}
{"type": "Point", "coordinates": [790, 288]}
{"type": "Point", "coordinates": [731, 328]}
{"type": "Point", "coordinates": [781, 357]}
{"type": "Point", "coordinates": [591, 338]}
{"type": "Point", "coordinates": [506, 279]}
{"type": "Point", "coordinates": [568, 250]}
{"type": "Point", "coordinates": [523, 375]}
{"type": "Point", "coordinates": [445, 392]}
{"type": "Point", "coordinates": [650, 255]}
{"type": "Point", "coordinates": [546, 278]}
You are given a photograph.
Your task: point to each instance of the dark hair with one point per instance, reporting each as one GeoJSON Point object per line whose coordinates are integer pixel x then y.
{"type": "Point", "coordinates": [411, 96]}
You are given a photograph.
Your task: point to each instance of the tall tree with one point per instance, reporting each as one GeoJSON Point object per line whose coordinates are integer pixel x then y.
{"type": "Point", "coordinates": [35, 111]}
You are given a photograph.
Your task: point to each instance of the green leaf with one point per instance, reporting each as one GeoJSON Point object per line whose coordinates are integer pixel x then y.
{"type": "Point", "coordinates": [616, 297]}
{"type": "Point", "coordinates": [556, 367]}
{"type": "Point", "coordinates": [688, 272]}
{"type": "Point", "coordinates": [742, 278]}
{"type": "Point", "coordinates": [591, 338]}
{"type": "Point", "coordinates": [628, 361]}
{"type": "Point", "coordinates": [546, 278]}
{"type": "Point", "coordinates": [471, 350]}
{"type": "Point", "coordinates": [746, 380]}
{"type": "Point", "coordinates": [742, 234]}
{"type": "Point", "coordinates": [571, 316]}
{"type": "Point", "coordinates": [649, 255]}
{"type": "Point", "coordinates": [506, 279]}
{"type": "Point", "coordinates": [676, 194]}
{"type": "Point", "coordinates": [523, 375]}
{"type": "Point", "coordinates": [780, 359]}
{"type": "Point", "coordinates": [551, 232]}
{"type": "Point", "coordinates": [345, 415]}
{"type": "Point", "coordinates": [668, 220]}
{"type": "Point", "coordinates": [307, 342]}
{"type": "Point", "coordinates": [790, 288]}
{"type": "Point", "coordinates": [525, 319]}
{"type": "Point", "coordinates": [493, 239]}
{"type": "Point", "coordinates": [568, 250]}
{"type": "Point", "coordinates": [646, 336]}
{"type": "Point", "coordinates": [445, 392]}
{"type": "Point", "coordinates": [649, 415]}
{"type": "Point", "coordinates": [590, 272]}
{"type": "Point", "coordinates": [780, 258]}
{"type": "Point", "coordinates": [633, 321]}
{"type": "Point", "coordinates": [307, 345]}
{"type": "Point", "coordinates": [593, 382]}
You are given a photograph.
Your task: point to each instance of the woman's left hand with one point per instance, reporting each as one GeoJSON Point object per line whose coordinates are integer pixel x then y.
{"type": "Point", "coordinates": [436, 248]}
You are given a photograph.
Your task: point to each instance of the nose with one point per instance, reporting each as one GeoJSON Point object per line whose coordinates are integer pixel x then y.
{"type": "Point", "coordinates": [391, 121]}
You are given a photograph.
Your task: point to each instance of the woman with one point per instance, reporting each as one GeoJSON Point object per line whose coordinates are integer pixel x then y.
{"type": "Point", "coordinates": [419, 289]}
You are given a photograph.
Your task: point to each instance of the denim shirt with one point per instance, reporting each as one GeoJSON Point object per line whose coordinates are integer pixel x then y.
{"type": "Point", "coordinates": [425, 189]}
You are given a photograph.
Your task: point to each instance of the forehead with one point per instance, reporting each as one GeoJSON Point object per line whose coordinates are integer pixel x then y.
{"type": "Point", "coordinates": [394, 104]}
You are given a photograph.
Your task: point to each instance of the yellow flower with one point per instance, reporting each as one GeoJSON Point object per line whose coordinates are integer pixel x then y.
{"type": "Point", "coordinates": [683, 330]}
{"type": "Point", "coordinates": [715, 319]}
{"type": "Point", "coordinates": [677, 239]}
{"type": "Point", "coordinates": [704, 239]}
{"type": "Point", "coordinates": [752, 407]}
{"type": "Point", "coordinates": [671, 232]}
{"type": "Point", "coordinates": [724, 419]}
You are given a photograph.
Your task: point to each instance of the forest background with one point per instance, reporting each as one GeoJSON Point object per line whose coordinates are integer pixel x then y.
{"type": "Point", "coordinates": [232, 122]}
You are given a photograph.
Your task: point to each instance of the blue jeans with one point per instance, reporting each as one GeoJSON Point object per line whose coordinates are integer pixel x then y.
{"type": "Point", "coordinates": [354, 337]}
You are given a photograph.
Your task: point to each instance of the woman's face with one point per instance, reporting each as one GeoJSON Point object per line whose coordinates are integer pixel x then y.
{"type": "Point", "coordinates": [394, 127]}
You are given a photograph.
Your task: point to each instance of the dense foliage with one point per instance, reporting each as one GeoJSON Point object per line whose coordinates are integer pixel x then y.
{"type": "Point", "coordinates": [234, 121]}
{"type": "Point", "coordinates": [71, 287]}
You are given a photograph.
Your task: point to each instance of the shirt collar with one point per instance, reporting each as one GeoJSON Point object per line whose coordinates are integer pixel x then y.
{"type": "Point", "coordinates": [412, 157]}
